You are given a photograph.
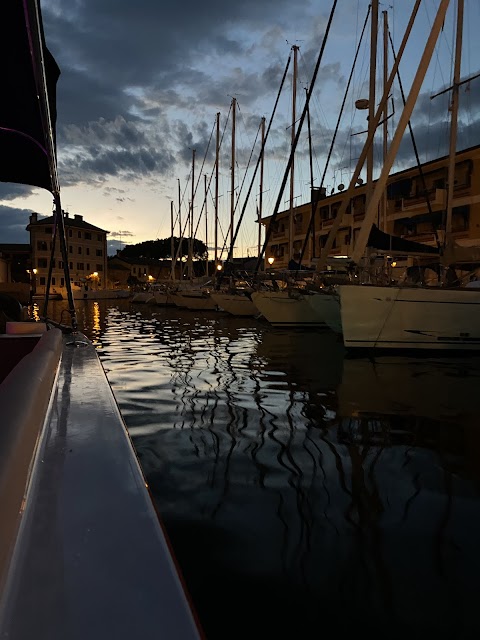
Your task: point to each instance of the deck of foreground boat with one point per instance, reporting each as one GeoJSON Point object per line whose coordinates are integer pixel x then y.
{"type": "Point", "coordinates": [82, 551]}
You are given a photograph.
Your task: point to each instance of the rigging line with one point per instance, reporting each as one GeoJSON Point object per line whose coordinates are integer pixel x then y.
{"type": "Point", "coordinates": [330, 151]}
{"type": "Point", "coordinates": [297, 136]}
{"type": "Point", "coordinates": [262, 151]}
{"type": "Point", "coordinates": [200, 173]}
{"type": "Point", "coordinates": [199, 179]}
{"type": "Point", "coordinates": [259, 159]}
{"type": "Point", "coordinates": [243, 183]}
{"type": "Point", "coordinates": [35, 35]}
{"type": "Point", "coordinates": [415, 148]}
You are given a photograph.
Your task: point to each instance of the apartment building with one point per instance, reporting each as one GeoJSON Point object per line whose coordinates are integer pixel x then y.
{"type": "Point", "coordinates": [86, 250]}
{"type": "Point", "coordinates": [405, 214]}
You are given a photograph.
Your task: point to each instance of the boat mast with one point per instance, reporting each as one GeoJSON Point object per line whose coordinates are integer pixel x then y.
{"type": "Point", "coordinates": [190, 240]}
{"type": "Point", "coordinates": [260, 197]}
{"type": "Point", "coordinates": [232, 174]}
{"type": "Point", "coordinates": [180, 218]}
{"type": "Point", "coordinates": [380, 185]}
{"type": "Point", "coordinates": [313, 200]}
{"type": "Point", "coordinates": [360, 162]}
{"type": "Point", "coordinates": [292, 145]}
{"type": "Point", "coordinates": [217, 153]}
{"type": "Point", "coordinates": [385, 114]}
{"type": "Point", "coordinates": [300, 124]}
{"type": "Point", "coordinates": [206, 223]}
{"type": "Point", "coordinates": [38, 62]}
{"type": "Point", "coordinates": [172, 243]}
{"type": "Point", "coordinates": [454, 122]}
{"type": "Point", "coordinates": [371, 97]}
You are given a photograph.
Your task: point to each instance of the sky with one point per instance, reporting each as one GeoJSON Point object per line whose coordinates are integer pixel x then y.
{"type": "Point", "coordinates": [141, 83]}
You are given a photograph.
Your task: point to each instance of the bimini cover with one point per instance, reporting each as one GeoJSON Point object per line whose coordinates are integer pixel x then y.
{"type": "Point", "coordinates": [24, 156]}
{"type": "Point", "coordinates": [385, 242]}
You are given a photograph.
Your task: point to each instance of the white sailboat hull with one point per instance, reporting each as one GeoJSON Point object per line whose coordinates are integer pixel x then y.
{"type": "Point", "coordinates": [100, 294]}
{"type": "Point", "coordinates": [410, 318]}
{"type": "Point", "coordinates": [196, 301]}
{"type": "Point", "coordinates": [153, 297]}
{"type": "Point", "coordinates": [327, 307]}
{"type": "Point", "coordinates": [236, 305]}
{"type": "Point", "coordinates": [283, 308]}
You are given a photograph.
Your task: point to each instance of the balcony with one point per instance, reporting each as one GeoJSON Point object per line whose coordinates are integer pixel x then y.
{"type": "Point", "coordinates": [438, 197]}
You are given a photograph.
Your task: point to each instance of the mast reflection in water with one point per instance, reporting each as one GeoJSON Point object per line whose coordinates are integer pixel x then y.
{"type": "Point", "coordinates": [304, 492]}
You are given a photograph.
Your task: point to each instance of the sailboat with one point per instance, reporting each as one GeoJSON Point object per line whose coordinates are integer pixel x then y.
{"type": "Point", "coordinates": [81, 545]}
{"type": "Point", "coordinates": [404, 316]}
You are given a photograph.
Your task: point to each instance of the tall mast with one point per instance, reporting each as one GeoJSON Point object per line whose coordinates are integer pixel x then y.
{"type": "Point", "coordinates": [217, 153]}
{"type": "Point", "coordinates": [454, 123]}
{"type": "Point", "coordinates": [190, 241]}
{"type": "Point", "coordinates": [385, 112]}
{"type": "Point", "coordinates": [260, 197]}
{"type": "Point", "coordinates": [402, 124]}
{"type": "Point", "coordinates": [206, 223]}
{"type": "Point", "coordinates": [180, 218]}
{"type": "Point", "coordinates": [348, 194]}
{"type": "Point", "coordinates": [292, 169]}
{"type": "Point", "coordinates": [39, 65]}
{"type": "Point", "coordinates": [172, 243]}
{"type": "Point", "coordinates": [371, 96]}
{"type": "Point", "coordinates": [232, 174]}
{"type": "Point", "coordinates": [313, 201]}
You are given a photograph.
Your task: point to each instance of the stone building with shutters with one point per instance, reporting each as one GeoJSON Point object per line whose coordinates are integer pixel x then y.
{"type": "Point", "coordinates": [86, 250]}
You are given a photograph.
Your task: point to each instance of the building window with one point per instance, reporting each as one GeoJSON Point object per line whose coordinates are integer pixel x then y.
{"type": "Point", "coordinates": [324, 213]}
{"type": "Point", "coordinates": [134, 269]}
{"type": "Point", "coordinates": [41, 245]}
{"type": "Point", "coordinates": [48, 229]}
{"type": "Point", "coordinates": [99, 237]}
{"type": "Point", "coordinates": [88, 266]}
{"type": "Point", "coordinates": [87, 251]}
{"type": "Point", "coordinates": [60, 264]}
{"type": "Point", "coordinates": [79, 234]}
{"type": "Point", "coordinates": [42, 280]}
{"type": "Point", "coordinates": [42, 263]}
{"type": "Point", "coordinates": [54, 282]}
{"type": "Point", "coordinates": [79, 250]}
{"type": "Point", "coordinates": [70, 233]}
{"type": "Point", "coordinates": [70, 264]}
{"type": "Point", "coordinates": [99, 252]}
{"type": "Point", "coordinates": [99, 267]}
{"type": "Point", "coordinates": [88, 235]}
{"type": "Point", "coordinates": [460, 218]}
{"type": "Point", "coordinates": [80, 266]}
{"type": "Point", "coordinates": [62, 282]}
{"type": "Point", "coordinates": [70, 249]}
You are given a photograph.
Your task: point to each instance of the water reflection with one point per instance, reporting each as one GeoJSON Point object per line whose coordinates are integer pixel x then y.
{"type": "Point", "coordinates": [302, 488]}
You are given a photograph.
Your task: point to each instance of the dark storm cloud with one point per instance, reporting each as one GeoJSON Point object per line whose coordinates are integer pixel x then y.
{"type": "Point", "coordinates": [13, 223]}
{"type": "Point", "coordinates": [10, 191]}
{"type": "Point", "coordinates": [123, 64]}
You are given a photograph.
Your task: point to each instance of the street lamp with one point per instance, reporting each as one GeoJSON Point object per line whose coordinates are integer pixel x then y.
{"type": "Point", "coordinates": [33, 285]}
{"type": "Point", "coordinates": [219, 267]}
{"type": "Point", "coordinates": [271, 260]}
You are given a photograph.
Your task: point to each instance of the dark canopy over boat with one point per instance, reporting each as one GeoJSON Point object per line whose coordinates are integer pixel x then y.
{"type": "Point", "coordinates": [385, 242]}
{"type": "Point", "coordinates": [23, 121]}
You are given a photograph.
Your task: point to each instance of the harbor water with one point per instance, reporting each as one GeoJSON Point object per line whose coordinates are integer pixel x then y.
{"type": "Point", "coordinates": [304, 491]}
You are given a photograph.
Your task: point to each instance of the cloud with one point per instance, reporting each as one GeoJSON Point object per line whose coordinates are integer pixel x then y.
{"type": "Point", "coordinates": [13, 224]}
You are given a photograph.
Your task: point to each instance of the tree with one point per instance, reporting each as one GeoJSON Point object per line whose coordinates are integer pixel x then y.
{"type": "Point", "coordinates": [161, 249]}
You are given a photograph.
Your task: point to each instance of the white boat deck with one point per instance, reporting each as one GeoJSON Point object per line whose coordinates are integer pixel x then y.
{"type": "Point", "coordinates": [91, 559]}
